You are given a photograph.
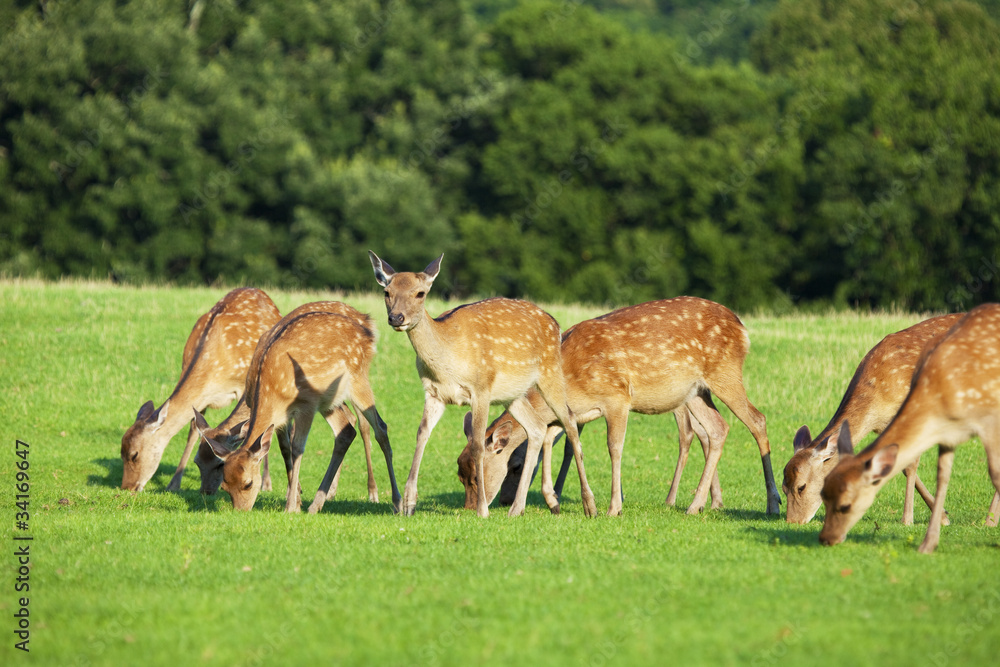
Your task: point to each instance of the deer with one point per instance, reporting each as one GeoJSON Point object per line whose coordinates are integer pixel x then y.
{"type": "Point", "coordinates": [228, 432]}
{"type": "Point", "coordinates": [213, 370]}
{"type": "Point", "coordinates": [490, 351]}
{"type": "Point", "coordinates": [657, 357]}
{"type": "Point", "coordinates": [872, 399]}
{"type": "Point", "coordinates": [954, 394]}
{"type": "Point", "coordinates": [310, 362]}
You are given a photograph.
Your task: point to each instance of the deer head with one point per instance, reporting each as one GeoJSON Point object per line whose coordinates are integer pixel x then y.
{"type": "Point", "coordinates": [808, 467]}
{"type": "Point", "coordinates": [404, 292]}
{"type": "Point", "coordinates": [142, 448]}
{"type": "Point", "coordinates": [850, 489]}
{"type": "Point", "coordinates": [241, 477]}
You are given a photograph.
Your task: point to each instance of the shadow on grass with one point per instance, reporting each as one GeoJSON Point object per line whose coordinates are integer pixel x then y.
{"type": "Point", "coordinates": [112, 476]}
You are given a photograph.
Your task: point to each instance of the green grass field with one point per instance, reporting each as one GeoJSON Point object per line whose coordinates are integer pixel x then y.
{"type": "Point", "coordinates": [165, 578]}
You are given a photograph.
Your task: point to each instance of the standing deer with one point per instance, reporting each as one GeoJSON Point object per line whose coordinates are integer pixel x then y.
{"type": "Point", "coordinates": [872, 399]}
{"type": "Point", "coordinates": [491, 351]}
{"type": "Point", "coordinates": [311, 362]}
{"type": "Point", "coordinates": [213, 371]}
{"type": "Point", "coordinates": [955, 394]}
{"type": "Point", "coordinates": [656, 357]}
{"type": "Point", "coordinates": [228, 433]}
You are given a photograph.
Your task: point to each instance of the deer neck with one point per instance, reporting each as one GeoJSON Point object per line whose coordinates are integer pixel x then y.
{"type": "Point", "coordinates": [431, 342]}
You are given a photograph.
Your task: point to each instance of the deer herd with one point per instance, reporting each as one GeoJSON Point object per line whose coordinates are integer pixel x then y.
{"type": "Point", "coordinates": [935, 383]}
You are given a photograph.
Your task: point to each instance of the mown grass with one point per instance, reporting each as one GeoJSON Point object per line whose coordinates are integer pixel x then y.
{"type": "Point", "coordinates": [161, 577]}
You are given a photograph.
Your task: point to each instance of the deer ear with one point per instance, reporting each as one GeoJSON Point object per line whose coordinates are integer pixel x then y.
{"type": "Point", "coordinates": [434, 268]}
{"type": "Point", "coordinates": [199, 421]}
{"type": "Point", "coordinates": [241, 430]}
{"type": "Point", "coordinates": [145, 411]}
{"type": "Point", "coordinates": [881, 464]}
{"type": "Point", "coordinates": [802, 439]}
{"type": "Point", "coordinates": [261, 445]}
{"type": "Point", "coordinates": [467, 425]}
{"type": "Point", "coordinates": [501, 436]}
{"type": "Point", "coordinates": [220, 450]}
{"type": "Point", "coordinates": [383, 272]}
{"type": "Point", "coordinates": [160, 416]}
{"type": "Point", "coordinates": [844, 444]}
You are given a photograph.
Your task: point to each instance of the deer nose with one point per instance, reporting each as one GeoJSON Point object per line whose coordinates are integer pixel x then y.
{"type": "Point", "coordinates": [395, 319]}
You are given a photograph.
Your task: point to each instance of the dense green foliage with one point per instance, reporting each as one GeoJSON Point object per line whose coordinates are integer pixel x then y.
{"type": "Point", "coordinates": [164, 578]}
{"type": "Point", "coordinates": [761, 154]}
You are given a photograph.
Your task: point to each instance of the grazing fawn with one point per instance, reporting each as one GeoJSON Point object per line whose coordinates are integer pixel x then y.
{"type": "Point", "coordinates": [955, 394]}
{"type": "Point", "coordinates": [213, 373]}
{"type": "Point", "coordinates": [872, 399]}
{"type": "Point", "coordinates": [656, 357]}
{"type": "Point", "coordinates": [311, 362]}
{"type": "Point", "coordinates": [228, 433]}
{"type": "Point", "coordinates": [491, 351]}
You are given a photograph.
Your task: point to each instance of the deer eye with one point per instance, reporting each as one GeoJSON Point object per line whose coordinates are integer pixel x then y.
{"type": "Point", "coordinates": [802, 488]}
{"type": "Point", "coordinates": [386, 294]}
{"type": "Point", "coordinates": [421, 295]}
{"type": "Point", "coordinates": [246, 487]}
{"type": "Point", "coordinates": [135, 456]}
{"type": "Point", "coordinates": [844, 509]}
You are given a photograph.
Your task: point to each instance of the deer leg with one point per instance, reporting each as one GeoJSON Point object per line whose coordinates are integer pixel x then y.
{"type": "Point", "coordinates": [193, 438]}
{"type": "Point", "coordinates": [716, 489]}
{"type": "Point", "coordinates": [567, 459]}
{"type": "Point", "coordinates": [303, 422]}
{"type": "Point", "coordinates": [684, 437]}
{"type": "Point", "coordinates": [617, 420]}
{"type": "Point", "coordinates": [552, 434]}
{"type": "Point", "coordinates": [991, 517]}
{"type": "Point", "coordinates": [343, 435]}
{"type": "Point", "coordinates": [946, 456]}
{"type": "Point", "coordinates": [535, 429]}
{"type": "Point", "coordinates": [381, 431]}
{"type": "Point", "coordinates": [554, 393]}
{"type": "Point", "coordinates": [366, 439]}
{"type": "Point", "coordinates": [732, 393]}
{"type": "Point", "coordinates": [477, 443]}
{"type": "Point", "coordinates": [991, 442]}
{"type": "Point", "coordinates": [433, 409]}
{"type": "Point", "coordinates": [716, 431]}
{"type": "Point", "coordinates": [911, 482]}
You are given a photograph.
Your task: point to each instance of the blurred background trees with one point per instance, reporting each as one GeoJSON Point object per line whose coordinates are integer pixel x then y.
{"type": "Point", "coordinates": [762, 154]}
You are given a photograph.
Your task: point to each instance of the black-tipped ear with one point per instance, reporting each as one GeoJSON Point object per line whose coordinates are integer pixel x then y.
{"type": "Point", "coordinates": [882, 462]}
{"type": "Point", "coordinates": [145, 411]}
{"type": "Point", "coordinates": [262, 445]}
{"type": "Point", "coordinates": [467, 425]}
{"type": "Point", "coordinates": [844, 444]}
{"type": "Point", "coordinates": [802, 439]}
{"type": "Point", "coordinates": [434, 268]}
{"type": "Point", "coordinates": [383, 272]}
{"type": "Point", "coordinates": [199, 421]}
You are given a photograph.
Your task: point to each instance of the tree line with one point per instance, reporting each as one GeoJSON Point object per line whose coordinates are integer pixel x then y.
{"type": "Point", "coordinates": [805, 153]}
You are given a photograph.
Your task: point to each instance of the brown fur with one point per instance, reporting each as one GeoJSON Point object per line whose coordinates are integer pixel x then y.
{"type": "Point", "coordinates": [955, 393]}
{"type": "Point", "coordinates": [872, 399]}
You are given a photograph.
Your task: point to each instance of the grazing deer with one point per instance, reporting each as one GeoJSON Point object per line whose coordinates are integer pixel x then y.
{"type": "Point", "coordinates": [310, 362]}
{"type": "Point", "coordinates": [656, 357]}
{"type": "Point", "coordinates": [872, 399]}
{"type": "Point", "coordinates": [213, 371]}
{"type": "Point", "coordinates": [228, 433]}
{"type": "Point", "coordinates": [955, 394]}
{"type": "Point", "coordinates": [491, 351]}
